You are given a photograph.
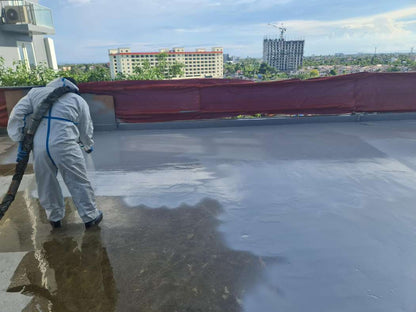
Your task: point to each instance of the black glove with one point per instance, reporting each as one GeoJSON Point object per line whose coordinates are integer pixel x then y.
{"type": "Point", "coordinates": [88, 151]}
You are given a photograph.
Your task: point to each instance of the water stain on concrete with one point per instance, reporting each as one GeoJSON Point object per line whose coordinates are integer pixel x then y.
{"type": "Point", "coordinates": [9, 169]}
{"type": "Point", "coordinates": [6, 145]}
{"type": "Point", "coordinates": [15, 227]}
{"type": "Point", "coordinates": [175, 260]}
{"type": "Point", "coordinates": [142, 259]}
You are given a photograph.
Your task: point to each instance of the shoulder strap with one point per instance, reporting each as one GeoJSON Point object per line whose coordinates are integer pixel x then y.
{"type": "Point", "coordinates": [42, 109]}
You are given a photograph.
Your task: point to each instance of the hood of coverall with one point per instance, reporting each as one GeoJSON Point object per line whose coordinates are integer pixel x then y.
{"type": "Point", "coordinates": [61, 82]}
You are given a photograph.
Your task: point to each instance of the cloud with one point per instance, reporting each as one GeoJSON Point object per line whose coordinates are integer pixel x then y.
{"type": "Point", "coordinates": [389, 24]}
{"type": "Point", "coordinates": [237, 25]}
{"type": "Point", "coordinates": [193, 30]}
{"type": "Point", "coordinates": [391, 31]}
{"type": "Point", "coordinates": [79, 2]}
{"type": "Point", "coordinates": [241, 4]}
{"type": "Point", "coordinates": [94, 44]}
{"type": "Point", "coordinates": [177, 8]}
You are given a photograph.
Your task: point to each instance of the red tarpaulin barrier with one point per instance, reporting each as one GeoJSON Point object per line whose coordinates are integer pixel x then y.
{"type": "Point", "coordinates": [386, 92]}
{"type": "Point", "coordinates": [163, 100]}
{"type": "Point", "coordinates": [3, 110]}
{"type": "Point", "coordinates": [150, 101]}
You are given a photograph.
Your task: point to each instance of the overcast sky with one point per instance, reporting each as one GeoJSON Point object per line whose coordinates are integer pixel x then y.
{"type": "Point", "coordinates": [86, 29]}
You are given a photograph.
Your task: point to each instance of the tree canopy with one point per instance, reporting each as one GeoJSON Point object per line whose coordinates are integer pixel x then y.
{"type": "Point", "coordinates": [40, 75]}
{"type": "Point", "coordinates": [162, 69]}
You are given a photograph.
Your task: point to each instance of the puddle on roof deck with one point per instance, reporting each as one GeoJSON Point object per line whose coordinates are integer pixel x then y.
{"type": "Point", "coordinates": [142, 259]}
{"type": "Point", "coordinates": [9, 169]}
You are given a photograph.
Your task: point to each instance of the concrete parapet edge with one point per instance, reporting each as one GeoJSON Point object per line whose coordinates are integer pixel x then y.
{"type": "Point", "coordinates": [218, 123]}
{"type": "Point", "coordinates": [215, 123]}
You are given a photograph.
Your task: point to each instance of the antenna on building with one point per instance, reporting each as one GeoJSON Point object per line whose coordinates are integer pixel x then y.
{"type": "Point", "coordinates": [373, 58]}
{"type": "Point", "coordinates": [411, 50]}
{"type": "Point", "coordinates": [282, 29]}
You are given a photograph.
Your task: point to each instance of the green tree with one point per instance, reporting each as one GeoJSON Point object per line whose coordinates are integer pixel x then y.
{"type": "Point", "coordinates": [88, 72]}
{"type": "Point", "coordinates": [393, 69]}
{"type": "Point", "coordinates": [313, 73]}
{"type": "Point", "coordinates": [99, 73]}
{"type": "Point", "coordinates": [230, 69]}
{"type": "Point", "coordinates": [264, 68]}
{"type": "Point", "coordinates": [254, 69]}
{"type": "Point", "coordinates": [20, 75]}
{"type": "Point", "coordinates": [145, 72]}
{"type": "Point", "coordinates": [270, 73]}
{"type": "Point", "coordinates": [120, 76]}
{"type": "Point", "coordinates": [163, 69]}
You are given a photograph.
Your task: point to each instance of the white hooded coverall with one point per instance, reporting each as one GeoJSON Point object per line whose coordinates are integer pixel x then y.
{"type": "Point", "coordinates": [56, 148]}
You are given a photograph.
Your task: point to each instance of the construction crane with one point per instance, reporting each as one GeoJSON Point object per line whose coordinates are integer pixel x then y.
{"type": "Point", "coordinates": [282, 29]}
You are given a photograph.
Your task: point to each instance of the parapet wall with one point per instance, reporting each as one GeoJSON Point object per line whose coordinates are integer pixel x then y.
{"type": "Point", "coordinates": [157, 101]}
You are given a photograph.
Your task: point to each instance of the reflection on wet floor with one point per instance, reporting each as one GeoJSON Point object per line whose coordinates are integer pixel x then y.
{"type": "Point", "coordinates": [64, 276]}
{"type": "Point", "coordinates": [142, 259]}
{"type": "Point", "coordinates": [66, 269]}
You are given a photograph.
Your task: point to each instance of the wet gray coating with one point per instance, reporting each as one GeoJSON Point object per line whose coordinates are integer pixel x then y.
{"type": "Point", "coordinates": [304, 217]}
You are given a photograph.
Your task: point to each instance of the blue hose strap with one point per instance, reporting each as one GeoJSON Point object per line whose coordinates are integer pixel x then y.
{"type": "Point", "coordinates": [59, 118]}
{"type": "Point", "coordinates": [47, 136]}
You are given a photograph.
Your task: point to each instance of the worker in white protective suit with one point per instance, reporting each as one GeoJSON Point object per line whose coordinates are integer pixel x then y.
{"type": "Point", "coordinates": [57, 148]}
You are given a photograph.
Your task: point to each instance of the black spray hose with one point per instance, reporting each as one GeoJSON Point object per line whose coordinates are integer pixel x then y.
{"type": "Point", "coordinates": [21, 165]}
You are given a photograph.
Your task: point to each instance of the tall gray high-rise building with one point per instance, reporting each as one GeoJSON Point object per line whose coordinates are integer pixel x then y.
{"type": "Point", "coordinates": [283, 55]}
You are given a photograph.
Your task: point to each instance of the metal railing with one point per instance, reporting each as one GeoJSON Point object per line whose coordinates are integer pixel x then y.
{"type": "Point", "coordinates": [25, 12]}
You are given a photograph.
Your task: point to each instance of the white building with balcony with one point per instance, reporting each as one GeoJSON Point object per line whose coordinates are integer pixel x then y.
{"type": "Point", "coordinates": [24, 26]}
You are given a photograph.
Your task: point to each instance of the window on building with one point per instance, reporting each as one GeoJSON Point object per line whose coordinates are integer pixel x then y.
{"type": "Point", "coordinates": [27, 54]}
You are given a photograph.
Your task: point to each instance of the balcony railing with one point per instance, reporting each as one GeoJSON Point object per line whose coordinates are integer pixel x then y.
{"type": "Point", "coordinates": [25, 12]}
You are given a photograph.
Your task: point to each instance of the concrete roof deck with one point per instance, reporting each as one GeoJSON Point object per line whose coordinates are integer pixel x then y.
{"type": "Point", "coordinates": [304, 217]}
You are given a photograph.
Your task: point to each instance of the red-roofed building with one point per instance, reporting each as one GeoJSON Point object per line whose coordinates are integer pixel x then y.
{"type": "Point", "coordinates": [198, 64]}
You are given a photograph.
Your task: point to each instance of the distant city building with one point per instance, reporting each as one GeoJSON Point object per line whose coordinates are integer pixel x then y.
{"type": "Point", "coordinates": [284, 55]}
{"type": "Point", "coordinates": [198, 64]}
{"type": "Point", "coordinates": [230, 58]}
{"type": "Point", "coordinates": [23, 26]}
